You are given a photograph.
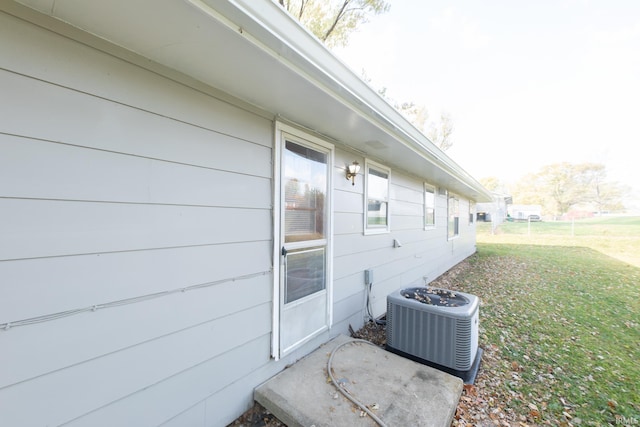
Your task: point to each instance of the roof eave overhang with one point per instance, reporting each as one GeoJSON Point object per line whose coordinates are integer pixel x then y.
{"type": "Point", "coordinates": [260, 55]}
{"type": "Point", "coordinates": [312, 57]}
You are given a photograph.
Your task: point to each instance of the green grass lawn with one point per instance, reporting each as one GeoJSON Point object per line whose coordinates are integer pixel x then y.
{"type": "Point", "coordinates": [618, 237]}
{"type": "Point", "coordinates": [561, 317]}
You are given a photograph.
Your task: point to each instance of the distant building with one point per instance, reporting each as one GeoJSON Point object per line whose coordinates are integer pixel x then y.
{"type": "Point", "coordinates": [494, 211]}
{"type": "Point", "coordinates": [525, 212]}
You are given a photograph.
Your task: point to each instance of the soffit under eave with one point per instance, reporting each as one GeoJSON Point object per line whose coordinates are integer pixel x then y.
{"type": "Point", "coordinates": [250, 62]}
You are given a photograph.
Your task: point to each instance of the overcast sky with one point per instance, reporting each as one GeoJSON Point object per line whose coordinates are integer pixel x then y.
{"type": "Point", "coordinates": [528, 83]}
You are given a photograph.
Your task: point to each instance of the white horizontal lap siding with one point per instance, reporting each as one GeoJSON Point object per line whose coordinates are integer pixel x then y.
{"type": "Point", "coordinates": [74, 65]}
{"type": "Point", "coordinates": [87, 280]}
{"type": "Point", "coordinates": [70, 117]}
{"type": "Point", "coordinates": [406, 206]}
{"type": "Point", "coordinates": [42, 228]}
{"type": "Point", "coordinates": [126, 325]}
{"type": "Point", "coordinates": [117, 184]}
{"type": "Point", "coordinates": [423, 252]}
{"type": "Point", "coordinates": [92, 385]}
{"type": "Point", "coordinates": [110, 176]}
{"type": "Point", "coordinates": [177, 391]}
{"type": "Point", "coordinates": [465, 244]}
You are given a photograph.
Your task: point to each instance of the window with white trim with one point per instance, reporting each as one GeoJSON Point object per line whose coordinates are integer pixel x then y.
{"type": "Point", "coordinates": [377, 198]}
{"type": "Point", "coordinates": [453, 213]}
{"type": "Point", "coordinates": [472, 208]}
{"type": "Point", "coordinates": [429, 206]}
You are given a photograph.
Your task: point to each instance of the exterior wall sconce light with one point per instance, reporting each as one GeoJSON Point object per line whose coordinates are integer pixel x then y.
{"type": "Point", "coordinates": [352, 171]}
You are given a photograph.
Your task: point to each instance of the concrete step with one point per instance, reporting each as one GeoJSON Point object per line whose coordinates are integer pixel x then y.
{"type": "Point", "coordinates": [404, 393]}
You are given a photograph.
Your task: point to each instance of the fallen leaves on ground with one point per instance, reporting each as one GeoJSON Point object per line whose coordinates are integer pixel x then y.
{"type": "Point", "coordinates": [257, 416]}
{"type": "Point", "coordinates": [532, 373]}
{"type": "Point", "coordinates": [546, 361]}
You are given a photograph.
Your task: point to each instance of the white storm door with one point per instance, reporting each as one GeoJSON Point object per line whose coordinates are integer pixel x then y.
{"type": "Point", "coordinates": [304, 242]}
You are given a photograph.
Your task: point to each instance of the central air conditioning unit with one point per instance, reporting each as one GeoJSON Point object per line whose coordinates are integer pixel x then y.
{"type": "Point", "coordinates": [437, 327]}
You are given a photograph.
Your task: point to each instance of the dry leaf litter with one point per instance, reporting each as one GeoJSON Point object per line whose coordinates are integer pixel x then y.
{"type": "Point", "coordinates": [487, 402]}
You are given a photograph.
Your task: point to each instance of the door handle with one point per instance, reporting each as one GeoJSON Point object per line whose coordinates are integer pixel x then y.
{"type": "Point", "coordinates": [284, 251]}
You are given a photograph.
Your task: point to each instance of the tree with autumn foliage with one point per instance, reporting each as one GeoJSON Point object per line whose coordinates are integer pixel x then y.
{"type": "Point", "coordinates": [494, 184]}
{"type": "Point", "coordinates": [333, 21]}
{"type": "Point", "coordinates": [560, 186]}
{"type": "Point", "coordinates": [439, 131]}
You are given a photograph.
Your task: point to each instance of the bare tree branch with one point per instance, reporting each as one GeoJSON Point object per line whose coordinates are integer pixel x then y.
{"type": "Point", "coordinates": [302, 4]}
{"type": "Point", "coordinates": [336, 20]}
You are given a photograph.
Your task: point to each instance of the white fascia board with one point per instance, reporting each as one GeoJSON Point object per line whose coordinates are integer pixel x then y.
{"type": "Point", "coordinates": [274, 32]}
{"type": "Point", "coordinates": [305, 52]}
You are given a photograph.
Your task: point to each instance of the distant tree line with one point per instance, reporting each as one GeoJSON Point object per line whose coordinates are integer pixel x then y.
{"type": "Point", "coordinates": [560, 187]}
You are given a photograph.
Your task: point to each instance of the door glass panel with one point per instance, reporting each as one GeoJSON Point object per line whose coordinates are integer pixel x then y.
{"type": "Point", "coordinates": [305, 273]}
{"type": "Point", "coordinates": [305, 186]}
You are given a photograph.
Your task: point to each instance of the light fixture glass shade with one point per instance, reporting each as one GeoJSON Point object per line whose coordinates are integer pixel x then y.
{"type": "Point", "coordinates": [352, 171]}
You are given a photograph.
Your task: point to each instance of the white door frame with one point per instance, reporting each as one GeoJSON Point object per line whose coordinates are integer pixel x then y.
{"type": "Point", "coordinates": [281, 132]}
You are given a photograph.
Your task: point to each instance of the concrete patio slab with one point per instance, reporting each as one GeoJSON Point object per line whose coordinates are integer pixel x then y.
{"type": "Point", "coordinates": [404, 392]}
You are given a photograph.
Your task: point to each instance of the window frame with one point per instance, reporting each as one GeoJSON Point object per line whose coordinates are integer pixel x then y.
{"type": "Point", "coordinates": [472, 214]}
{"type": "Point", "coordinates": [368, 229]}
{"type": "Point", "coordinates": [429, 188]}
{"type": "Point", "coordinates": [455, 232]}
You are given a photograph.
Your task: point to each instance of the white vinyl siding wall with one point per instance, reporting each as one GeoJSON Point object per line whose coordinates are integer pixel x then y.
{"type": "Point", "coordinates": [423, 252]}
{"type": "Point", "coordinates": [116, 184]}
